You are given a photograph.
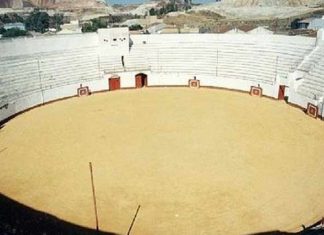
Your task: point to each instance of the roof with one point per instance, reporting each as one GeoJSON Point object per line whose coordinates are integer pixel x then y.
{"type": "Point", "coordinates": [235, 31]}
{"type": "Point", "coordinates": [316, 24]}
{"type": "Point", "coordinates": [305, 21]}
{"type": "Point", "coordinates": [260, 30]}
{"type": "Point", "coordinates": [14, 25]}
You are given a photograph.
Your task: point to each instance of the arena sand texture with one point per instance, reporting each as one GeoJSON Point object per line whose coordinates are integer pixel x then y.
{"type": "Point", "coordinates": [200, 161]}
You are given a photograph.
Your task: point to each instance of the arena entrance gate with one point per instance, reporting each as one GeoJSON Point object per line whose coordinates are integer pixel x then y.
{"type": "Point", "coordinates": [281, 93]}
{"type": "Point", "coordinates": [114, 83]}
{"type": "Point", "coordinates": [140, 80]}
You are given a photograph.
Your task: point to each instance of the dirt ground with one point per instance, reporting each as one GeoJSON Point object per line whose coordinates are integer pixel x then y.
{"type": "Point", "coordinates": [197, 161]}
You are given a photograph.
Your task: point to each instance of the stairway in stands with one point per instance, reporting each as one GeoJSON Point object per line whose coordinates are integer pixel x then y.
{"type": "Point", "coordinates": [312, 67]}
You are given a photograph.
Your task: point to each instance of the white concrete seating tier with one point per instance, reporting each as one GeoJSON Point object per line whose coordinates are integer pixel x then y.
{"type": "Point", "coordinates": [313, 83]}
{"type": "Point", "coordinates": [111, 63]}
{"type": "Point", "coordinates": [23, 75]}
{"type": "Point", "coordinates": [19, 76]}
{"type": "Point", "coordinates": [51, 62]}
{"type": "Point", "coordinates": [312, 59]}
{"type": "Point", "coordinates": [137, 59]}
{"type": "Point", "coordinates": [68, 67]}
{"type": "Point", "coordinates": [247, 59]}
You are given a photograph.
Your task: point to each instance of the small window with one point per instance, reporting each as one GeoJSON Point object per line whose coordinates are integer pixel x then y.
{"type": "Point", "coordinates": [115, 39]}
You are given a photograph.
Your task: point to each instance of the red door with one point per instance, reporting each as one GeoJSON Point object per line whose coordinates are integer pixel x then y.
{"type": "Point", "coordinates": [140, 80]}
{"type": "Point", "coordinates": [114, 84]}
{"type": "Point", "coordinates": [281, 94]}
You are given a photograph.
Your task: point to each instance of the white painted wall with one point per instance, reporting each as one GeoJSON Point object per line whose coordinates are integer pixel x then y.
{"type": "Point", "coordinates": [71, 90]}
{"type": "Point", "coordinates": [241, 85]}
{"type": "Point", "coordinates": [43, 44]}
{"type": "Point", "coordinates": [7, 112]}
{"type": "Point", "coordinates": [320, 37]}
{"type": "Point", "coordinates": [168, 79]}
{"type": "Point", "coordinates": [20, 105]}
{"type": "Point", "coordinates": [114, 41]}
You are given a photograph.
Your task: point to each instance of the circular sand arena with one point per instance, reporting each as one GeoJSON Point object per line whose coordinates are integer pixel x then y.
{"type": "Point", "coordinates": [197, 161]}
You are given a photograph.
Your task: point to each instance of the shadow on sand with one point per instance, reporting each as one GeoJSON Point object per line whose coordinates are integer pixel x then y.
{"type": "Point", "coordinates": [304, 232]}
{"type": "Point", "coordinates": [314, 229]}
{"type": "Point", "coordinates": [272, 233]}
{"type": "Point", "coordinates": [16, 218]}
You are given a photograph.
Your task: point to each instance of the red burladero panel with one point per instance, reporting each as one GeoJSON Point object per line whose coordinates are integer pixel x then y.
{"type": "Point", "coordinates": [83, 91]}
{"type": "Point", "coordinates": [312, 110]}
{"type": "Point", "coordinates": [256, 91]}
{"type": "Point", "coordinates": [194, 83]}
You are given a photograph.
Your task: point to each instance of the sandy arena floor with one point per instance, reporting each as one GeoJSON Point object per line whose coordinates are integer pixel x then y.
{"type": "Point", "coordinates": [198, 162]}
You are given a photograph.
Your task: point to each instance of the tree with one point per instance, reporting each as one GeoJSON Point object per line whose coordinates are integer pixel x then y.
{"type": "Point", "coordinates": [170, 7]}
{"type": "Point", "coordinates": [11, 18]}
{"type": "Point", "coordinates": [94, 25]}
{"type": "Point", "coordinates": [98, 24]}
{"type": "Point", "coordinates": [152, 12]}
{"type": "Point", "coordinates": [135, 27]}
{"type": "Point", "coordinates": [38, 21]}
{"type": "Point", "coordinates": [115, 18]}
{"type": "Point", "coordinates": [294, 24]}
{"type": "Point", "coordinates": [2, 30]}
{"type": "Point", "coordinates": [162, 11]}
{"type": "Point", "coordinates": [56, 21]}
{"type": "Point", "coordinates": [87, 27]}
{"type": "Point", "coordinates": [14, 32]}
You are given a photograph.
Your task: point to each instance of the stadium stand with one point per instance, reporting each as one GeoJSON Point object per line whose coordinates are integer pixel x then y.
{"type": "Point", "coordinates": [55, 67]}
{"type": "Point", "coordinates": [219, 56]}
{"type": "Point", "coordinates": [78, 66]}
{"type": "Point", "coordinates": [19, 76]}
{"type": "Point", "coordinates": [313, 80]}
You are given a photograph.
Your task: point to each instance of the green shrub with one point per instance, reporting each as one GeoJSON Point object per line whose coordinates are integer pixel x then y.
{"type": "Point", "coordinates": [14, 32]}
{"type": "Point", "coordinates": [135, 27]}
{"type": "Point", "coordinates": [38, 21]}
{"type": "Point", "coordinates": [2, 30]}
{"type": "Point", "coordinates": [94, 25]}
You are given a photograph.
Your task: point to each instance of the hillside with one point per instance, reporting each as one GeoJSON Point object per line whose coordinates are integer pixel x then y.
{"type": "Point", "coordinates": [261, 9]}
{"type": "Point", "coordinates": [67, 4]}
{"type": "Point", "coordinates": [270, 3]}
{"type": "Point", "coordinates": [11, 3]}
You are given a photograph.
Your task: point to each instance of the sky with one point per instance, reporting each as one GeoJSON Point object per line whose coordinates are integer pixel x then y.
{"type": "Point", "coordinates": [111, 2]}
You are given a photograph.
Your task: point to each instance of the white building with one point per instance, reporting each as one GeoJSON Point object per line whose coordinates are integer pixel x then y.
{"type": "Point", "coordinates": [70, 28]}
{"type": "Point", "coordinates": [260, 30]}
{"type": "Point", "coordinates": [235, 31]}
{"type": "Point", "coordinates": [17, 25]}
{"type": "Point", "coordinates": [316, 24]}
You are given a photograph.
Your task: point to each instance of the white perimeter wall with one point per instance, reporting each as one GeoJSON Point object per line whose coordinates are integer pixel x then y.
{"type": "Point", "coordinates": [127, 80]}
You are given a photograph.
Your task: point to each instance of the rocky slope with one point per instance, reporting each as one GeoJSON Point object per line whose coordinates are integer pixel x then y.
{"type": "Point", "coordinates": [261, 9]}
{"type": "Point", "coordinates": [67, 4]}
{"type": "Point", "coordinates": [270, 3]}
{"type": "Point", "coordinates": [11, 3]}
